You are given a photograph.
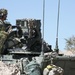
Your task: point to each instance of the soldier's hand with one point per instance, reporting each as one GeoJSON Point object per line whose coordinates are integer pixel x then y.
{"type": "Point", "coordinates": [10, 29]}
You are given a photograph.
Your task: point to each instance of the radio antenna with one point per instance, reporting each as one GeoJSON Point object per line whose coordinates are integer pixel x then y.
{"type": "Point", "coordinates": [42, 53]}
{"type": "Point", "coordinates": [56, 47]}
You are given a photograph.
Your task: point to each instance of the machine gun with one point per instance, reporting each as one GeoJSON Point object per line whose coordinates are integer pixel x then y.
{"type": "Point", "coordinates": [25, 37]}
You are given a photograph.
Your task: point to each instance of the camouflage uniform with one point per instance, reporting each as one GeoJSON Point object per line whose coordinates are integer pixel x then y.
{"type": "Point", "coordinates": [3, 35]}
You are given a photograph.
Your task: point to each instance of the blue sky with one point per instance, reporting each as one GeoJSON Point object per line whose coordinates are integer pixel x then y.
{"type": "Point", "coordinates": [19, 9]}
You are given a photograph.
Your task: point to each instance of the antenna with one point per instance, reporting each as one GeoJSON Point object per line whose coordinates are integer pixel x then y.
{"type": "Point", "coordinates": [56, 47]}
{"type": "Point", "coordinates": [42, 53]}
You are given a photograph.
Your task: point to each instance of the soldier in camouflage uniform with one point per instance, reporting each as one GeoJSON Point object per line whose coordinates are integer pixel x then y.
{"type": "Point", "coordinates": [3, 33]}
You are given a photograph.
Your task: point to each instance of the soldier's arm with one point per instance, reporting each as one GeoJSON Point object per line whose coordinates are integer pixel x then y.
{"type": "Point", "coordinates": [1, 25]}
{"type": "Point", "coordinates": [6, 33]}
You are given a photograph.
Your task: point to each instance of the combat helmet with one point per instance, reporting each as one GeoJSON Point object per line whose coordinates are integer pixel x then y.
{"type": "Point", "coordinates": [3, 12]}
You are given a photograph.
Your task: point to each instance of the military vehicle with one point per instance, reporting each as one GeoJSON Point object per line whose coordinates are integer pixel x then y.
{"type": "Point", "coordinates": [23, 55]}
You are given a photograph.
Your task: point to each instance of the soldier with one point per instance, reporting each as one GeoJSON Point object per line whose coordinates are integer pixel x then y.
{"type": "Point", "coordinates": [3, 33]}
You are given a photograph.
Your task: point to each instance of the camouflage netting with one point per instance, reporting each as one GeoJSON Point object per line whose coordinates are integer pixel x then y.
{"type": "Point", "coordinates": [10, 69]}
